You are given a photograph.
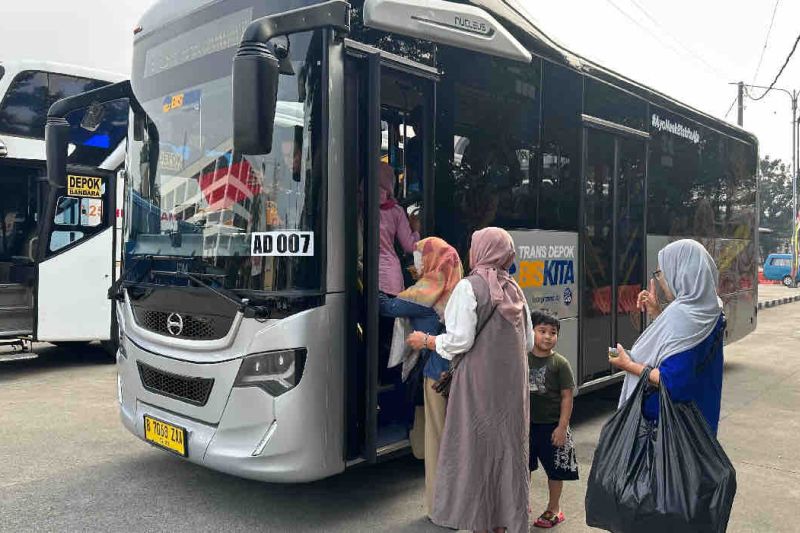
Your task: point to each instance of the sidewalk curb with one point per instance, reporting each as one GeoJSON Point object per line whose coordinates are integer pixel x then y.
{"type": "Point", "coordinates": [778, 301]}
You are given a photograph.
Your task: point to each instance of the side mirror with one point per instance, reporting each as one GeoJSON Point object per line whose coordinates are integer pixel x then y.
{"type": "Point", "coordinates": [56, 136]}
{"type": "Point", "coordinates": [256, 71]}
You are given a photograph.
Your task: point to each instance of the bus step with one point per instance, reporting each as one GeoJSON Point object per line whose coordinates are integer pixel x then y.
{"type": "Point", "coordinates": [18, 356]}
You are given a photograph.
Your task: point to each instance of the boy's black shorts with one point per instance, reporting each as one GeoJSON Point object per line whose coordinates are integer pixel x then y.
{"type": "Point", "coordinates": [560, 464]}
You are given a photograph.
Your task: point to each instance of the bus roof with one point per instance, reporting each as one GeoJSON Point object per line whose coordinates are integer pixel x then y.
{"type": "Point", "coordinates": [516, 19]}
{"type": "Point", "coordinates": [14, 66]}
{"type": "Point", "coordinates": [524, 27]}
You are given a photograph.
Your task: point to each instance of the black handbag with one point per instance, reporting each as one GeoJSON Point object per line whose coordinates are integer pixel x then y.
{"type": "Point", "coordinates": [442, 385]}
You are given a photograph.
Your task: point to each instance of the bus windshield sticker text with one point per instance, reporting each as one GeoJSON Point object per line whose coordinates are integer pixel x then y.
{"type": "Point", "coordinates": [665, 124]}
{"type": "Point", "coordinates": [84, 186]}
{"type": "Point", "coordinates": [177, 101]}
{"type": "Point", "coordinates": [282, 244]}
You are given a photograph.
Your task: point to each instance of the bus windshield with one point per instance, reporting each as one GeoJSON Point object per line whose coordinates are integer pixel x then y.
{"type": "Point", "coordinates": [192, 199]}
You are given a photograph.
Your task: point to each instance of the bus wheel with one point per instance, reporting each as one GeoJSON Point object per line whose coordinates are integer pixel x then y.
{"type": "Point", "coordinates": [787, 281]}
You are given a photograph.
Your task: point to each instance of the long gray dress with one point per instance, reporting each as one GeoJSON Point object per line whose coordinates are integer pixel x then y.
{"type": "Point", "coordinates": [483, 478]}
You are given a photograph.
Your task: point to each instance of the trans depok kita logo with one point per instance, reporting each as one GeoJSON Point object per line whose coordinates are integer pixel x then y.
{"type": "Point", "coordinates": [546, 266]}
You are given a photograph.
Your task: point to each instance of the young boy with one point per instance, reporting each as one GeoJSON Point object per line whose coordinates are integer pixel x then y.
{"type": "Point", "coordinates": [551, 384]}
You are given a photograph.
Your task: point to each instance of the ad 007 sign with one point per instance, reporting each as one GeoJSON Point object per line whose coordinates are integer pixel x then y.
{"type": "Point", "coordinates": [282, 244]}
{"type": "Point", "coordinates": [547, 270]}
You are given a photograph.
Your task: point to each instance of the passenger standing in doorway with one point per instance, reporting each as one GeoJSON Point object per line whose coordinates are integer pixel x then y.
{"type": "Point", "coordinates": [483, 479]}
{"type": "Point", "coordinates": [395, 225]}
{"type": "Point", "coordinates": [439, 270]}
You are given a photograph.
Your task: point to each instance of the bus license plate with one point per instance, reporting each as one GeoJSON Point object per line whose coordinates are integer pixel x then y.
{"type": "Point", "coordinates": [167, 436]}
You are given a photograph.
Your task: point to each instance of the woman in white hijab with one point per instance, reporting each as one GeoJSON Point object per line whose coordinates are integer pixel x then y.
{"type": "Point", "coordinates": [684, 343]}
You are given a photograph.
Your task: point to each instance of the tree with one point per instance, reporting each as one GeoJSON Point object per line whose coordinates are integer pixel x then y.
{"type": "Point", "coordinates": [775, 190]}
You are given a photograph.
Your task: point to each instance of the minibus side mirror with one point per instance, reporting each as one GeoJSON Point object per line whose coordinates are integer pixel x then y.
{"type": "Point", "coordinates": [256, 71]}
{"type": "Point", "coordinates": [56, 136]}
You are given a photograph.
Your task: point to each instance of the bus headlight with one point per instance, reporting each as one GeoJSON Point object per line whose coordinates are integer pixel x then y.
{"type": "Point", "coordinates": [275, 372]}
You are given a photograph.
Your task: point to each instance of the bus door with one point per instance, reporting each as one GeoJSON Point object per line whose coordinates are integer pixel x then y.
{"type": "Point", "coordinates": [613, 239]}
{"type": "Point", "coordinates": [77, 259]}
{"type": "Point", "coordinates": [389, 110]}
{"type": "Point", "coordinates": [20, 184]}
{"type": "Point", "coordinates": [72, 292]}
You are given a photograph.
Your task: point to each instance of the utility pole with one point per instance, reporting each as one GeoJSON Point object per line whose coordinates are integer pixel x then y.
{"type": "Point", "coordinates": [794, 95]}
{"type": "Point", "coordinates": [794, 187]}
{"type": "Point", "coordinates": [740, 120]}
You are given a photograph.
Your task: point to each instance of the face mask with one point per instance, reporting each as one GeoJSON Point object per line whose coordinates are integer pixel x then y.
{"type": "Point", "coordinates": [418, 262]}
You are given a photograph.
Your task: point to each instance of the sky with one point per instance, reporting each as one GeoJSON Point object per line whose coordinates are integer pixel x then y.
{"type": "Point", "coordinates": [689, 49]}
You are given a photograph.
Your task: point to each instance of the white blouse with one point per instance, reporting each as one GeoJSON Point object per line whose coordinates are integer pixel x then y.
{"type": "Point", "coordinates": [461, 321]}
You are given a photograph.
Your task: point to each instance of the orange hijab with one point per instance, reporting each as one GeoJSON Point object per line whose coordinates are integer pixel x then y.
{"type": "Point", "coordinates": [441, 272]}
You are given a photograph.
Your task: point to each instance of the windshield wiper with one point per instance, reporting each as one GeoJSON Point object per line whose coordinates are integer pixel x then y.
{"type": "Point", "coordinates": [244, 305]}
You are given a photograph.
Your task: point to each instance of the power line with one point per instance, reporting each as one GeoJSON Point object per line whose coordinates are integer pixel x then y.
{"type": "Point", "coordinates": [777, 76]}
{"type": "Point", "coordinates": [639, 24]}
{"type": "Point", "coordinates": [728, 112]}
{"type": "Point", "coordinates": [766, 41]}
{"type": "Point", "coordinates": [677, 40]}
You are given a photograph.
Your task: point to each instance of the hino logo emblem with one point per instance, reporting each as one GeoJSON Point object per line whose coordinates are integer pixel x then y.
{"type": "Point", "coordinates": [175, 324]}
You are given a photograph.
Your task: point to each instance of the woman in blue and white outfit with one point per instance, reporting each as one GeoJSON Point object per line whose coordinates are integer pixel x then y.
{"type": "Point", "coordinates": [684, 343]}
{"type": "Point", "coordinates": [438, 270]}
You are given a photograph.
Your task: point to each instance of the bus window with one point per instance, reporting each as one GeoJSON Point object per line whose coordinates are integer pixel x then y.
{"type": "Point", "coordinates": [61, 86]}
{"type": "Point", "coordinates": [61, 239]}
{"type": "Point", "coordinates": [488, 137]}
{"type": "Point", "coordinates": [24, 108]}
{"type": "Point", "coordinates": [23, 111]}
{"type": "Point", "coordinates": [78, 218]}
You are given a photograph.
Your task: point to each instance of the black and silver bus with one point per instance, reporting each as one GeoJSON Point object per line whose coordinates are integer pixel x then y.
{"type": "Point", "coordinates": [248, 307]}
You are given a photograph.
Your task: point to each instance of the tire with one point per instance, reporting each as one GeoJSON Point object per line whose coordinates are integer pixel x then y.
{"type": "Point", "coordinates": [111, 345]}
{"type": "Point", "coordinates": [788, 282]}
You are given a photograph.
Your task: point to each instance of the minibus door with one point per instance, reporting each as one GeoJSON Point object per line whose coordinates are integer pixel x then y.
{"type": "Point", "coordinates": [372, 81]}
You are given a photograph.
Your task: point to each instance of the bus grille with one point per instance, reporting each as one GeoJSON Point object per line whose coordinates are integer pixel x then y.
{"type": "Point", "coordinates": [187, 389]}
{"type": "Point", "coordinates": [193, 327]}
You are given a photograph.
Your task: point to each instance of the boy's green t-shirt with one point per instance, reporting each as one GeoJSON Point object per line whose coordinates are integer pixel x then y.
{"type": "Point", "coordinates": [548, 377]}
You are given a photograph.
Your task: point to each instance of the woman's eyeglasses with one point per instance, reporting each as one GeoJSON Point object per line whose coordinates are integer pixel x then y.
{"type": "Point", "coordinates": [656, 275]}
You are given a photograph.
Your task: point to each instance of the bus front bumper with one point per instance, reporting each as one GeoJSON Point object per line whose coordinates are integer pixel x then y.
{"type": "Point", "coordinates": [247, 441]}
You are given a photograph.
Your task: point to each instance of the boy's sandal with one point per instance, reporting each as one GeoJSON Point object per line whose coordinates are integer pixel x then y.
{"type": "Point", "coordinates": [549, 520]}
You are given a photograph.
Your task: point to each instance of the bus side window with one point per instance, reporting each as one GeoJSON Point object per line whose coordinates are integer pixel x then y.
{"type": "Point", "coordinates": [72, 212]}
{"type": "Point", "coordinates": [60, 239]}
{"type": "Point", "coordinates": [67, 211]}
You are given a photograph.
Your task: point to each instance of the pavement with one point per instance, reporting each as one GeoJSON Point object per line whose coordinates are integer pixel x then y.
{"type": "Point", "coordinates": [770, 295]}
{"type": "Point", "coordinates": [67, 464]}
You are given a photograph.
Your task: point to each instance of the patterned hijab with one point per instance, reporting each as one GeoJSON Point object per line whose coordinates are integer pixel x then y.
{"type": "Point", "coordinates": [441, 272]}
{"type": "Point", "coordinates": [491, 255]}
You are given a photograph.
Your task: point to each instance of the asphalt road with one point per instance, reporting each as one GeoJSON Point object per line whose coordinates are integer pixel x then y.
{"type": "Point", "coordinates": [67, 464]}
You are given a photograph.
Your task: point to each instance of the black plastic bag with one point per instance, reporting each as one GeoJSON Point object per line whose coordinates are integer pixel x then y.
{"type": "Point", "coordinates": [665, 477]}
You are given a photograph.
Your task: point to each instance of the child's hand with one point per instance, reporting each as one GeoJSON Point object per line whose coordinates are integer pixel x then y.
{"type": "Point", "coordinates": [559, 437]}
